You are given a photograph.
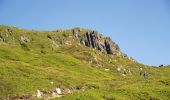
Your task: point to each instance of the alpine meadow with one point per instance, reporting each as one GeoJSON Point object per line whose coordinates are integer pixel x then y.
{"type": "Point", "coordinates": [74, 64]}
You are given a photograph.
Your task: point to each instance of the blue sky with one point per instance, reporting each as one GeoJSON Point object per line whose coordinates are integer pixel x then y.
{"type": "Point", "coordinates": [140, 27]}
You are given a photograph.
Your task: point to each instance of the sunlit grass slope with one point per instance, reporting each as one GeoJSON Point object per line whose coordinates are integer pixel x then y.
{"type": "Point", "coordinates": [26, 67]}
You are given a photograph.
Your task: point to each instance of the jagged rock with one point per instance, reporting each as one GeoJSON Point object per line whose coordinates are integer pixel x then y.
{"type": "Point", "coordinates": [94, 40]}
{"type": "Point", "coordinates": [108, 47]}
{"type": "Point", "coordinates": [88, 39]}
{"type": "Point", "coordinates": [75, 33]}
{"type": "Point", "coordinates": [24, 39]}
{"type": "Point", "coordinates": [63, 41]}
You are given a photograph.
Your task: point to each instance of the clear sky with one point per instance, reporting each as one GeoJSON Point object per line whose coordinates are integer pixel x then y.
{"type": "Point", "coordinates": [140, 27]}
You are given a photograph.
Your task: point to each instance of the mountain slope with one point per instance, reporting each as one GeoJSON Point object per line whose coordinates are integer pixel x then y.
{"type": "Point", "coordinates": [77, 59]}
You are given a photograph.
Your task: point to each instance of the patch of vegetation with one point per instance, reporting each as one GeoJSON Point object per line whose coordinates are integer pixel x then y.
{"type": "Point", "coordinates": [47, 58]}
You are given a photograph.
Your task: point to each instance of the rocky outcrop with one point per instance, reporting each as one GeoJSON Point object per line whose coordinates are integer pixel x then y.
{"type": "Point", "coordinates": [24, 39]}
{"type": "Point", "coordinates": [108, 47]}
{"type": "Point", "coordinates": [95, 40]}
{"type": "Point", "coordinates": [87, 38]}
{"type": "Point", "coordinates": [75, 33]}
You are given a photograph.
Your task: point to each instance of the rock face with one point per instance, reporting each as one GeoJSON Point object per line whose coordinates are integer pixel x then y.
{"type": "Point", "coordinates": [108, 48]}
{"type": "Point", "coordinates": [75, 33]}
{"type": "Point", "coordinates": [95, 40]}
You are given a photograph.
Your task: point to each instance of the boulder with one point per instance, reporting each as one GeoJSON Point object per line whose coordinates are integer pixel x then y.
{"type": "Point", "coordinates": [58, 91]}
{"type": "Point", "coordinates": [24, 39]}
{"type": "Point", "coordinates": [38, 94]}
{"type": "Point", "coordinates": [146, 75]}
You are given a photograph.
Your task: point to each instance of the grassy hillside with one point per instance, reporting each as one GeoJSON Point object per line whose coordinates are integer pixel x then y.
{"type": "Point", "coordinates": [44, 60]}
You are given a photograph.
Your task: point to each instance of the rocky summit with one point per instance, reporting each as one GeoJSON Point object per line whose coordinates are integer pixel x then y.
{"type": "Point", "coordinates": [94, 39]}
{"type": "Point", "coordinates": [74, 64]}
{"type": "Point", "coordinates": [91, 39]}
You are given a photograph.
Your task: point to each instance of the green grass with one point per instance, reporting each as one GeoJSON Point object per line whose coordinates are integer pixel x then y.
{"type": "Point", "coordinates": [26, 68]}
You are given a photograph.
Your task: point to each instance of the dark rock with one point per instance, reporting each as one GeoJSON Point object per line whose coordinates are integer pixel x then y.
{"type": "Point", "coordinates": [49, 36]}
{"type": "Point", "coordinates": [25, 97]}
{"type": "Point", "coordinates": [117, 47]}
{"type": "Point", "coordinates": [145, 75]}
{"type": "Point", "coordinates": [161, 65]}
{"type": "Point", "coordinates": [108, 47]}
{"type": "Point", "coordinates": [94, 40]}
